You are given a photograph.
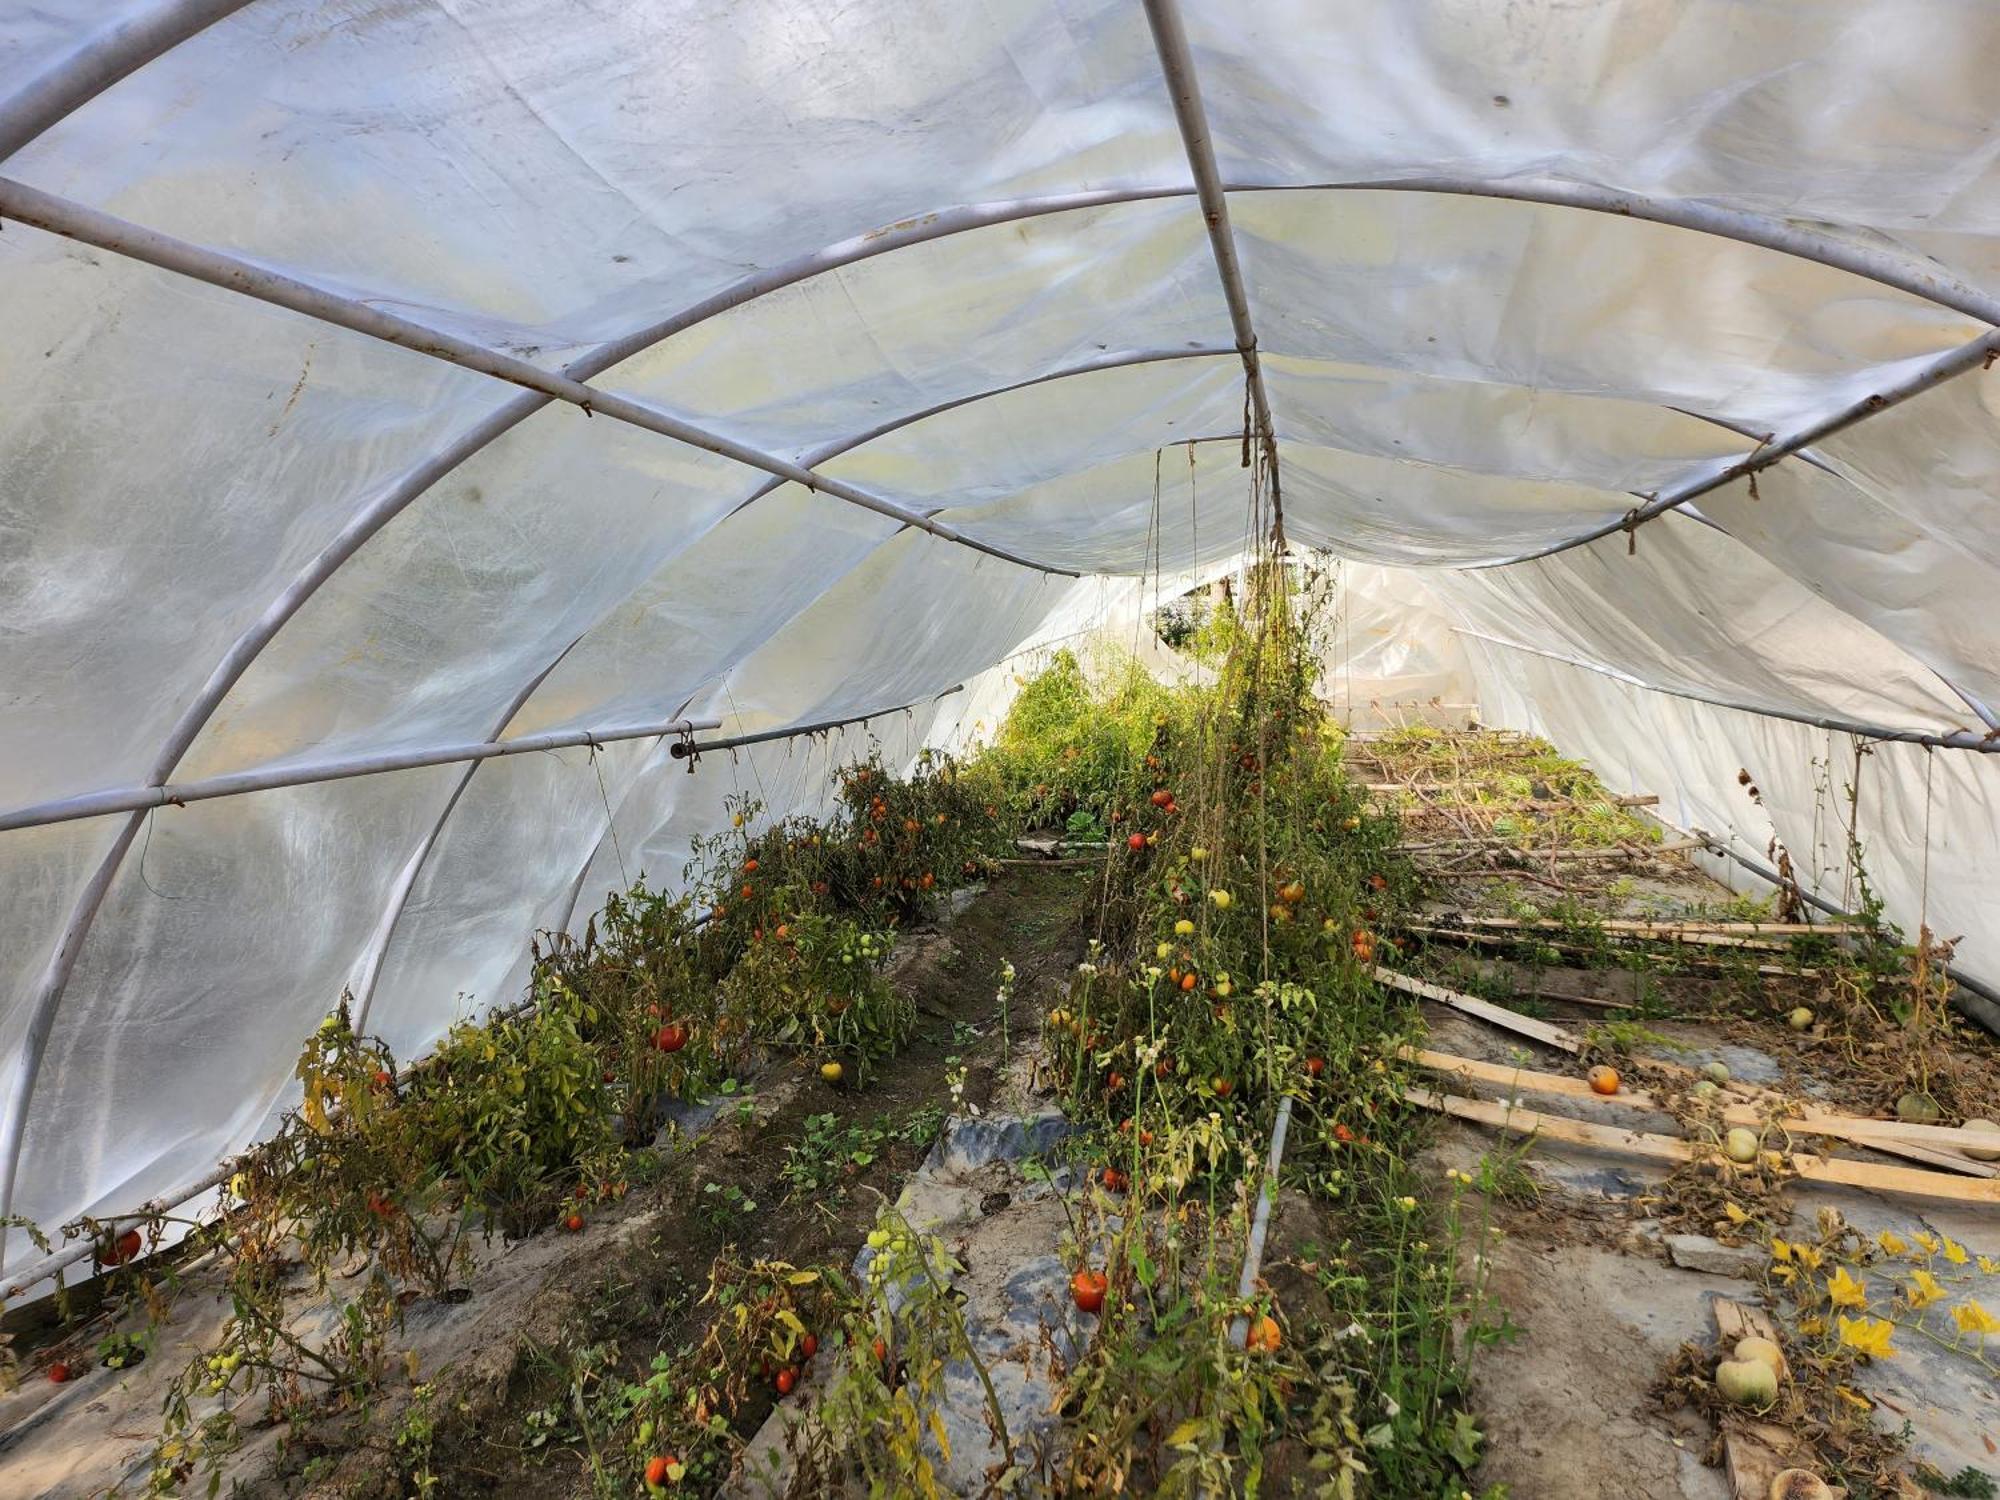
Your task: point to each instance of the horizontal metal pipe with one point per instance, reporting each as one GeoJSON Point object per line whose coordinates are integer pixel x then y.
{"type": "Point", "coordinates": [1191, 116]}
{"type": "Point", "coordinates": [62, 1260]}
{"type": "Point", "coordinates": [1953, 740]}
{"type": "Point", "coordinates": [1976, 355]}
{"type": "Point", "coordinates": [237, 783]}
{"type": "Point", "coordinates": [682, 749]}
{"type": "Point", "coordinates": [107, 232]}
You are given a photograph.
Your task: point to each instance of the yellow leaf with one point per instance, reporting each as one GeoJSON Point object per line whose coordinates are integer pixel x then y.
{"type": "Point", "coordinates": [1989, 1265]}
{"type": "Point", "coordinates": [1812, 1327]}
{"type": "Point", "coordinates": [1972, 1318]}
{"type": "Point", "coordinates": [1869, 1335]}
{"type": "Point", "coordinates": [1929, 1243]}
{"type": "Point", "coordinates": [1854, 1398]}
{"type": "Point", "coordinates": [937, 1431]}
{"type": "Point", "coordinates": [1780, 1251]}
{"type": "Point", "coordinates": [1925, 1289]}
{"type": "Point", "coordinates": [1736, 1215]}
{"type": "Point", "coordinates": [1953, 1251]}
{"type": "Point", "coordinates": [1891, 1242]}
{"type": "Point", "coordinates": [1846, 1291]}
{"type": "Point", "coordinates": [802, 1278]}
{"type": "Point", "coordinates": [791, 1320]}
{"type": "Point", "coordinates": [1807, 1256]}
{"type": "Point", "coordinates": [1184, 1435]}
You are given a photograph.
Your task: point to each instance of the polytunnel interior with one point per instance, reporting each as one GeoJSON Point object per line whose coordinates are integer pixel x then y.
{"type": "Point", "coordinates": [388, 380]}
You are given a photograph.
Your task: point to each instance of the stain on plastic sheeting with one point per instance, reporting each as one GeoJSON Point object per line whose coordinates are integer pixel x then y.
{"type": "Point", "coordinates": [298, 387]}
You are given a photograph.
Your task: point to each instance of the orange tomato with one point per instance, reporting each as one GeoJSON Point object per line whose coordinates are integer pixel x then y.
{"type": "Point", "coordinates": [1603, 1080]}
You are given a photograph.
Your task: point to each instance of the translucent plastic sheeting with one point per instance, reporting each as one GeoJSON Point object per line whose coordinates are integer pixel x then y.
{"type": "Point", "coordinates": [1393, 657]}
{"type": "Point", "coordinates": [429, 630]}
{"type": "Point", "coordinates": [1929, 821]}
{"type": "Point", "coordinates": [1569, 300]}
{"type": "Point", "coordinates": [515, 842]}
{"type": "Point", "coordinates": [1698, 611]}
{"type": "Point", "coordinates": [1490, 427]}
{"type": "Point", "coordinates": [170, 455]}
{"type": "Point", "coordinates": [1906, 535]}
{"type": "Point", "coordinates": [1005, 448]}
{"type": "Point", "coordinates": [565, 176]}
{"type": "Point", "coordinates": [900, 629]}
{"type": "Point", "coordinates": [1868, 112]}
{"type": "Point", "coordinates": [42, 870]}
{"type": "Point", "coordinates": [1405, 510]}
{"type": "Point", "coordinates": [223, 940]}
{"type": "Point", "coordinates": [1104, 518]}
{"type": "Point", "coordinates": [720, 598]}
{"type": "Point", "coordinates": [835, 355]}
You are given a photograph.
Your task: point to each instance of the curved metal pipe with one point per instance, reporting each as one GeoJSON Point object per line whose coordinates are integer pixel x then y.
{"type": "Point", "coordinates": [112, 54]}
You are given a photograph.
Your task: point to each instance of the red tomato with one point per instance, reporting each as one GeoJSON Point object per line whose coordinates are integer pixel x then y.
{"type": "Point", "coordinates": [1136, 842]}
{"type": "Point", "coordinates": [58, 1372]}
{"type": "Point", "coordinates": [787, 1378]}
{"type": "Point", "coordinates": [809, 1345]}
{"type": "Point", "coordinates": [1087, 1289]}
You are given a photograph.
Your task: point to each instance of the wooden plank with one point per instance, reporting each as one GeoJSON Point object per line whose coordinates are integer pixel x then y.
{"type": "Point", "coordinates": [1648, 928]}
{"type": "Point", "coordinates": [1906, 1181]}
{"type": "Point", "coordinates": [1917, 1142]}
{"type": "Point", "coordinates": [1547, 1034]}
{"type": "Point", "coordinates": [1503, 846]}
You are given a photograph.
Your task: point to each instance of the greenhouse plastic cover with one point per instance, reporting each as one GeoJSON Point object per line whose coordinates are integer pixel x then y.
{"type": "Point", "coordinates": [952, 256]}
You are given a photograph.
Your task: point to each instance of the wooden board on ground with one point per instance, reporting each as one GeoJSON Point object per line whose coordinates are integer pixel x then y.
{"type": "Point", "coordinates": [1905, 1181]}
{"type": "Point", "coordinates": [1926, 1143]}
{"type": "Point", "coordinates": [1547, 1034]}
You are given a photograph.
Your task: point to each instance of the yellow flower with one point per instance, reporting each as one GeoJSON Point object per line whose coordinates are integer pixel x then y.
{"type": "Point", "coordinates": [1780, 1251]}
{"type": "Point", "coordinates": [1953, 1251]}
{"type": "Point", "coordinates": [1972, 1318]}
{"type": "Point", "coordinates": [1736, 1215]}
{"type": "Point", "coordinates": [1846, 1291]}
{"type": "Point", "coordinates": [1812, 1327]}
{"type": "Point", "coordinates": [1807, 1256]}
{"type": "Point", "coordinates": [1926, 1289]}
{"type": "Point", "coordinates": [1929, 1243]}
{"type": "Point", "coordinates": [1891, 1242]}
{"type": "Point", "coordinates": [1869, 1335]}
{"type": "Point", "coordinates": [1989, 1265]}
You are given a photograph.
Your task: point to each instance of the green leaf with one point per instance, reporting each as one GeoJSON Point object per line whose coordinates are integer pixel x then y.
{"type": "Point", "coordinates": [1464, 1439]}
